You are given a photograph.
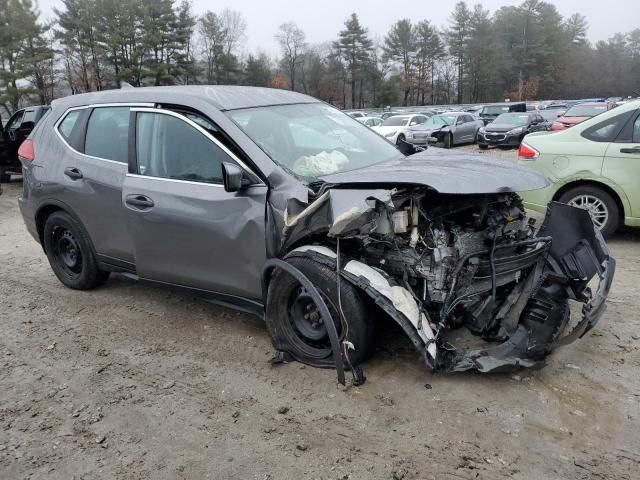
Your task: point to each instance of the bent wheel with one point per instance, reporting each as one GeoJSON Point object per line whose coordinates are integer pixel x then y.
{"type": "Point", "coordinates": [295, 323]}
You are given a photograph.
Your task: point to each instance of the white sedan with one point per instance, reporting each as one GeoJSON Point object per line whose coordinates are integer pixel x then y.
{"type": "Point", "coordinates": [395, 128]}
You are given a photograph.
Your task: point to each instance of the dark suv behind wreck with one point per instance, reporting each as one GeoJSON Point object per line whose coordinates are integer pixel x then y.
{"type": "Point", "coordinates": [274, 202]}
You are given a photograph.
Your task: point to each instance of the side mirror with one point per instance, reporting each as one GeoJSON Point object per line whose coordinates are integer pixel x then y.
{"type": "Point", "coordinates": [233, 177]}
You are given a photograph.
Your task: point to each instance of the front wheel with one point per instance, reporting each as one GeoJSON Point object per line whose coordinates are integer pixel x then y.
{"type": "Point", "coordinates": [483, 147]}
{"type": "Point", "coordinates": [295, 323]}
{"type": "Point", "coordinates": [401, 139]}
{"type": "Point", "coordinates": [601, 206]}
{"type": "Point", "coordinates": [448, 141]}
{"type": "Point", "coordinates": [69, 253]}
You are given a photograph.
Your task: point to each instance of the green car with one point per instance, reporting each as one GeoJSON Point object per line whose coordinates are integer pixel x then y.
{"type": "Point", "coordinates": [594, 165]}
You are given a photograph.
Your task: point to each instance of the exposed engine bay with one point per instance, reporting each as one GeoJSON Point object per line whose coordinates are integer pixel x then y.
{"type": "Point", "coordinates": [438, 262]}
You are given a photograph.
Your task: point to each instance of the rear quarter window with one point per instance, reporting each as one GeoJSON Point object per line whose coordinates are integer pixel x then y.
{"type": "Point", "coordinates": [66, 126]}
{"type": "Point", "coordinates": [607, 130]}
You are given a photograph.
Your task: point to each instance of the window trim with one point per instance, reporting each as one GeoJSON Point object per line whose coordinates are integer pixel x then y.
{"type": "Point", "coordinates": [133, 167]}
{"type": "Point", "coordinates": [92, 106]}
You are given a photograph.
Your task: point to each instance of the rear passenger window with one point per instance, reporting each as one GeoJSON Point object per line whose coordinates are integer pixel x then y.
{"type": "Point", "coordinates": [168, 147]}
{"type": "Point", "coordinates": [66, 126]}
{"type": "Point", "coordinates": [108, 134]}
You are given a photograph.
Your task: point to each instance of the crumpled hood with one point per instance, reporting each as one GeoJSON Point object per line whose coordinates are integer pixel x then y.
{"type": "Point", "coordinates": [446, 172]}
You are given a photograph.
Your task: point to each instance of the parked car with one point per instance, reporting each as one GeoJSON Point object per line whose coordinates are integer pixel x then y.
{"type": "Point", "coordinates": [550, 115]}
{"type": "Point", "coordinates": [450, 129]}
{"type": "Point", "coordinates": [474, 110]}
{"type": "Point", "coordinates": [356, 114]}
{"type": "Point", "coordinates": [594, 165]}
{"type": "Point", "coordinates": [370, 121]}
{"type": "Point", "coordinates": [490, 112]}
{"type": "Point", "coordinates": [18, 127]}
{"type": "Point", "coordinates": [395, 128]}
{"type": "Point", "coordinates": [579, 113]}
{"type": "Point", "coordinates": [219, 190]}
{"type": "Point", "coordinates": [508, 129]}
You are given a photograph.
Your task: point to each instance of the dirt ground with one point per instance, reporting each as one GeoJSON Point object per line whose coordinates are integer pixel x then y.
{"type": "Point", "coordinates": [136, 382]}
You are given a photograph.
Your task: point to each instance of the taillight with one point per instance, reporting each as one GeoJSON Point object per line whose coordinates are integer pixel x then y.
{"type": "Point", "coordinates": [26, 152]}
{"type": "Point", "coordinates": [525, 152]}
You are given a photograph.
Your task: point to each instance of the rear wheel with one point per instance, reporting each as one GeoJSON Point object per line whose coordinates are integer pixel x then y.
{"type": "Point", "coordinates": [295, 323]}
{"type": "Point", "coordinates": [69, 252]}
{"type": "Point", "coordinates": [601, 206]}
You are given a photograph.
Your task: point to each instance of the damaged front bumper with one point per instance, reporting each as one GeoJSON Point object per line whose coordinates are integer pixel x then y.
{"type": "Point", "coordinates": [569, 253]}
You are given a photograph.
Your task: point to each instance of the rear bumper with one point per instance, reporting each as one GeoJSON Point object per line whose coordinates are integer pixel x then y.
{"type": "Point", "coordinates": [29, 218]}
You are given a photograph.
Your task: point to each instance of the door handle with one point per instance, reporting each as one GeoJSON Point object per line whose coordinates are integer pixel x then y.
{"type": "Point", "coordinates": [140, 202]}
{"type": "Point", "coordinates": [635, 150]}
{"type": "Point", "coordinates": [73, 173]}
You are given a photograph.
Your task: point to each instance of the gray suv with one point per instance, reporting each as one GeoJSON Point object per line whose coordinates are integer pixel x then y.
{"type": "Point", "coordinates": [276, 203]}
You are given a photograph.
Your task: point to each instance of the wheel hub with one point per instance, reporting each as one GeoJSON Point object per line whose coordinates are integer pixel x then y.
{"type": "Point", "coordinates": [69, 252]}
{"type": "Point", "coordinates": [306, 317]}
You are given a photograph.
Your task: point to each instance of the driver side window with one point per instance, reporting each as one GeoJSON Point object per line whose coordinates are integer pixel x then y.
{"type": "Point", "coordinates": [168, 147]}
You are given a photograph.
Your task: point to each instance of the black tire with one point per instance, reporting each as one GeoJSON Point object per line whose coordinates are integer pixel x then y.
{"type": "Point", "coordinates": [612, 222]}
{"type": "Point", "coordinates": [483, 147]}
{"type": "Point", "coordinates": [70, 253]}
{"type": "Point", "coordinates": [5, 177]}
{"type": "Point", "coordinates": [448, 141]}
{"type": "Point", "coordinates": [401, 139]}
{"type": "Point", "coordinates": [309, 344]}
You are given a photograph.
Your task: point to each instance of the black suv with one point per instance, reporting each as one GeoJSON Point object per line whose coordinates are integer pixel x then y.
{"type": "Point", "coordinates": [490, 112]}
{"type": "Point", "coordinates": [16, 130]}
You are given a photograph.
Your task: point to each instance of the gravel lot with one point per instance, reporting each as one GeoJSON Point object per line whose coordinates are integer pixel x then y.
{"type": "Point", "coordinates": [136, 382]}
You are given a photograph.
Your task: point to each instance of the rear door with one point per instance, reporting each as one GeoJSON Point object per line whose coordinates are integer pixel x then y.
{"type": "Point", "coordinates": [185, 228]}
{"type": "Point", "coordinates": [622, 162]}
{"type": "Point", "coordinates": [92, 172]}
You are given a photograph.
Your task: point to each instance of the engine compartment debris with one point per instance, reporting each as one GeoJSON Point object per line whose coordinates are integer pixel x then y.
{"type": "Point", "coordinates": [439, 262]}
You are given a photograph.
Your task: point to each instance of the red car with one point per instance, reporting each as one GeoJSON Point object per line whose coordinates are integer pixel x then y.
{"type": "Point", "coordinates": [579, 113]}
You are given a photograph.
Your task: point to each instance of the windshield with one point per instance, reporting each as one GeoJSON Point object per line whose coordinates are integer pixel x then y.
{"type": "Point", "coordinates": [512, 119]}
{"type": "Point", "coordinates": [494, 110]}
{"type": "Point", "coordinates": [311, 140]}
{"type": "Point", "coordinates": [440, 120]}
{"type": "Point", "coordinates": [586, 110]}
{"type": "Point", "coordinates": [396, 121]}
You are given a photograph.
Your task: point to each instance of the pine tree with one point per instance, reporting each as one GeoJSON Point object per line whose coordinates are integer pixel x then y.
{"type": "Point", "coordinates": [354, 46]}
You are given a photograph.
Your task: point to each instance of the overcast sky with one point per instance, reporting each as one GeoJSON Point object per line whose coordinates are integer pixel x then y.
{"type": "Point", "coordinates": [321, 20]}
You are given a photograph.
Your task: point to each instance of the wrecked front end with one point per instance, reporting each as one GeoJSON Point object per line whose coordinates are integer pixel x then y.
{"type": "Point", "coordinates": [441, 263]}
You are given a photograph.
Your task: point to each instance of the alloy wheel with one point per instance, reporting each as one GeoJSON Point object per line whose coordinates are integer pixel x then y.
{"type": "Point", "coordinates": [597, 209]}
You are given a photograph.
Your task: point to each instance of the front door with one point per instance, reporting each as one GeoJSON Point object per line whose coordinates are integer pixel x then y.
{"type": "Point", "coordinates": [185, 228]}
{"type": "Point", "coordinates": [622, 163]}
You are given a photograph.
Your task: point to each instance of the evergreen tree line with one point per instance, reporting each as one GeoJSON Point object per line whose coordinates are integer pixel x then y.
{"type": "Point", "coordinates": [524, 52]}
